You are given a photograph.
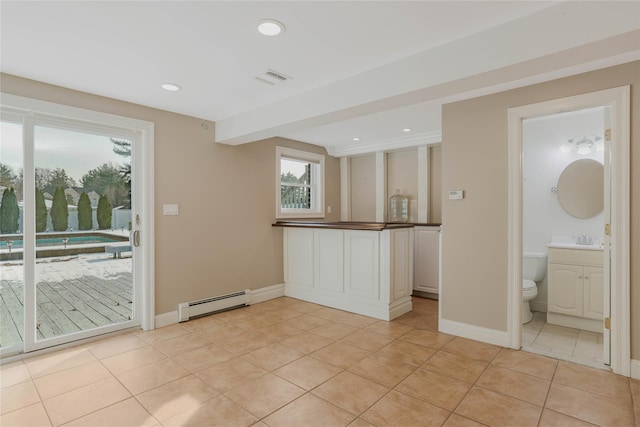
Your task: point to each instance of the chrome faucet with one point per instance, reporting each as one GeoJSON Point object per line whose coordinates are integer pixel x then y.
{"type": "Point", "coordinates": [584, 240]}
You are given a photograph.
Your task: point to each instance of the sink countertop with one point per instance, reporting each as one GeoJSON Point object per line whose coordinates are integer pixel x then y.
{"type": "Point", "coordinates": [565, 245]}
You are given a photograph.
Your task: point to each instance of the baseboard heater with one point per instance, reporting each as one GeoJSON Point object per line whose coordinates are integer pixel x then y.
{"type": "Point", "coordinates": [205, 307]}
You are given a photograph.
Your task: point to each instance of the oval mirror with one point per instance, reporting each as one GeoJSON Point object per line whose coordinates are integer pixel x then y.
{"type": "Point", "coordinates": [581, 188]}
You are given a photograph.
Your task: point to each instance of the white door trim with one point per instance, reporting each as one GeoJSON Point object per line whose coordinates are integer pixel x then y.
{"type": "Point", "coordinates": [618, 100]}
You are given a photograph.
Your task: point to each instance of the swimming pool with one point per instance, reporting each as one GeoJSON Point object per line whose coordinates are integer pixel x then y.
{"type": "Point", "coordinates": [53, 244]}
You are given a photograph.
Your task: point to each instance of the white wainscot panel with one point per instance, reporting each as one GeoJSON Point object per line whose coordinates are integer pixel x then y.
{"type": "Point", "coordinates": [401, 271]}
{"type": "Point", "coordinates": [328, 248]}
{"type": "Point", "coordinates": [299, 257]}
{"type": "Point", "coordinates": [362, 264]}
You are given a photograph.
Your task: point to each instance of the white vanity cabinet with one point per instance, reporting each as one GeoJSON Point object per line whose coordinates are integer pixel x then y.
{"type": "Point", "coordinates": [426, 260]}
{"type": "Point", "coordinates": [576, 288]}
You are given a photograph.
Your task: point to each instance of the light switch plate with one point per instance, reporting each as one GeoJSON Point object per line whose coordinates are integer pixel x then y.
{"type": "Point", "coordinates": [456, 194]}
{"type": "Point", "coordinates": [170, 209]}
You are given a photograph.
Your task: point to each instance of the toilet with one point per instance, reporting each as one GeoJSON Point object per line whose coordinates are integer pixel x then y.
{"type": "Point", "coordinates": [534, 267]}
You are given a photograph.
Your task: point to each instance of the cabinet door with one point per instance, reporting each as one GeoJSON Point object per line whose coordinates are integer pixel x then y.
{"type": "Point", "coordinates": [593, 293]}
{"type": "Point", "coordinates": [565, 289]}
{"type": "Point", "coordinates": [427, 260]}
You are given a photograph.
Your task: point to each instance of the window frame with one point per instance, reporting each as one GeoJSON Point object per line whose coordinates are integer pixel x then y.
{"type": "Point", "coordinates": [317, 183]}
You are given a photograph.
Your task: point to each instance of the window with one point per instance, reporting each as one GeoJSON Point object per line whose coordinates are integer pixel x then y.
{"type": "Point", "coordinates": [299, 184]}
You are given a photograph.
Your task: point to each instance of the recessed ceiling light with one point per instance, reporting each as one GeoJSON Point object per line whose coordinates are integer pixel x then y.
{"type": "Point", "coordinates": [356, 139]}
{"type": "Point", "coordinates": [406, 130]}
{"type": "Point", "coordinates": [270, 27]}
{"type": "Point", "coordinates": [171, 87]}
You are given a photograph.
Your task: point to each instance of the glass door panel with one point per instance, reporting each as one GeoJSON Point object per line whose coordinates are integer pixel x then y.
{"type": "Point", "coordinates": [11, 265]}
{"type": "Point", "coordinates": [83, 258]}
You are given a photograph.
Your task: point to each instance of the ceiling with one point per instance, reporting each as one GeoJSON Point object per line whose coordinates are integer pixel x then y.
{"type": "Point", "coordinates": [357, 69]}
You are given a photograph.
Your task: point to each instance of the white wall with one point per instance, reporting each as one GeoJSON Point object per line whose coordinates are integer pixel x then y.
{"type": "Point", "coordinates": [543, 163]}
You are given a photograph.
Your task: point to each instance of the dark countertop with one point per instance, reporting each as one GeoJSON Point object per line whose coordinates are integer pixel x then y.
{"type": "Point", "coordinates": [368, 226]}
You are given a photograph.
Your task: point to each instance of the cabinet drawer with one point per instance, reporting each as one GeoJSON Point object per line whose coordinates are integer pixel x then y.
{"type": "Point", "coordinates": [576, 257]}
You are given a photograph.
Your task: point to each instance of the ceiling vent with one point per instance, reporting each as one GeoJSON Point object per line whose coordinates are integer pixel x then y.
{"type": "Point", "coordinates": [272, 77]}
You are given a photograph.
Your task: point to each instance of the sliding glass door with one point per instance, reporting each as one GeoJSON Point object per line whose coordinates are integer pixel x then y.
{"type": "Point", "coordinates": [68, 212]}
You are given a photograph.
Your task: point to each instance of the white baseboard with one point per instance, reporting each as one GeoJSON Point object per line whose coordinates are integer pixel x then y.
{"type": "Point", "coordinates": [538, 306]}
{"type": "Point", "coordinates": [166, 319]}
{"type": "Point", "coordinates": [477, 333]}
{"type": "Point", "coordinates": [635, 369]}
{"type": "Point", "coordinates": [257, 296]}
{"type": "Point", "coordinates": [267, 293]}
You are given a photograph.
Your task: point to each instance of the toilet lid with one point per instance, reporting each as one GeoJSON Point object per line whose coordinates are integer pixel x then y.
{"type": "Point", "coordinates": [528, 284]}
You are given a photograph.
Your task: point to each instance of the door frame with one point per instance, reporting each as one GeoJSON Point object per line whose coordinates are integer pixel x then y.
{"type": "Point", "coordinates": [35, 111]}
{"type": "Point", "coordinates": [618, 101]}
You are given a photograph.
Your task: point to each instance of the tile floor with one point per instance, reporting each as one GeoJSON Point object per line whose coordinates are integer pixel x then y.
{"type": "Point", "coordinates": [563, 343]}
{"type": "Point", "coordinates": [290, 363]}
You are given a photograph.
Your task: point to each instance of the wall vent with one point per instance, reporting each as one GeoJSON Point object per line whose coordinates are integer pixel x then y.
{"type": "Point", "coordinates": [272, 77]}
{"type": "Point", "coordinates": [204, 307]}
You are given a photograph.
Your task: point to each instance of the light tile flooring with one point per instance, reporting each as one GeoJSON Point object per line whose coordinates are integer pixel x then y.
{"type": "Point", "coordinates": [290, 363]}
{"type": "Point", "coordinates": [563, 343]}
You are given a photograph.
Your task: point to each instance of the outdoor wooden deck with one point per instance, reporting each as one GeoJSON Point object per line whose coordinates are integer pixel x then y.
{"type": "Point", "coordinates": [71, 297]}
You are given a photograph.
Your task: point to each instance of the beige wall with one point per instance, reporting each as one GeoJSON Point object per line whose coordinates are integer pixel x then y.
{"type": "Point", "coordinates": [474, 156]}
{"type": "Point", "coordinates": [223, 240]}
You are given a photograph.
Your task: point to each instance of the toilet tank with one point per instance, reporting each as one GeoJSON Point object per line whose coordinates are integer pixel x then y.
{"type": "Point", "coordinates": [534, 265]}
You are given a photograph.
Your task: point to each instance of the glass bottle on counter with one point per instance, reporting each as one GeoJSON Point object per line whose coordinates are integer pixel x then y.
{"type": "Point", "coordinates": [398, 208]}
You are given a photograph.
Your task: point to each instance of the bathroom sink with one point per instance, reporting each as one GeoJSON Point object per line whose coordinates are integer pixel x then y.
{"type": "Point", "coordinates": [563, 245]}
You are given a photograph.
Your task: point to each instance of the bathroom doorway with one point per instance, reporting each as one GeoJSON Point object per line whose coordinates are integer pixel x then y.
{"type": "Point", "coordinates": [615, 245]}
{"type": "Point", "coordinates": [563, 234]}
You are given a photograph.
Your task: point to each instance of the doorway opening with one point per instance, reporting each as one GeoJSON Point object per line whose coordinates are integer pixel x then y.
{"type": "Point", "coordinates": [563, 235]}
{"type": "Point", "coordinates": [615, 261]}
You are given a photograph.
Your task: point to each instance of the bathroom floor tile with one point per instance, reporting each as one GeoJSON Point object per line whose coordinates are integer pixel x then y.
{"type": "Point", "coordinates": [390, 329]}
{"type": "Point", "coordinates": [115, 345]}
{"type": "Point", "coordinates": [307, 343]}
{"type": "Point", "coordinates": [333, 330]}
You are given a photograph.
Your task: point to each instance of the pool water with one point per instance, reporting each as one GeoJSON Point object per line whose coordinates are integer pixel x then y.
{"type": "Point", "coordinates": [57, 241]}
